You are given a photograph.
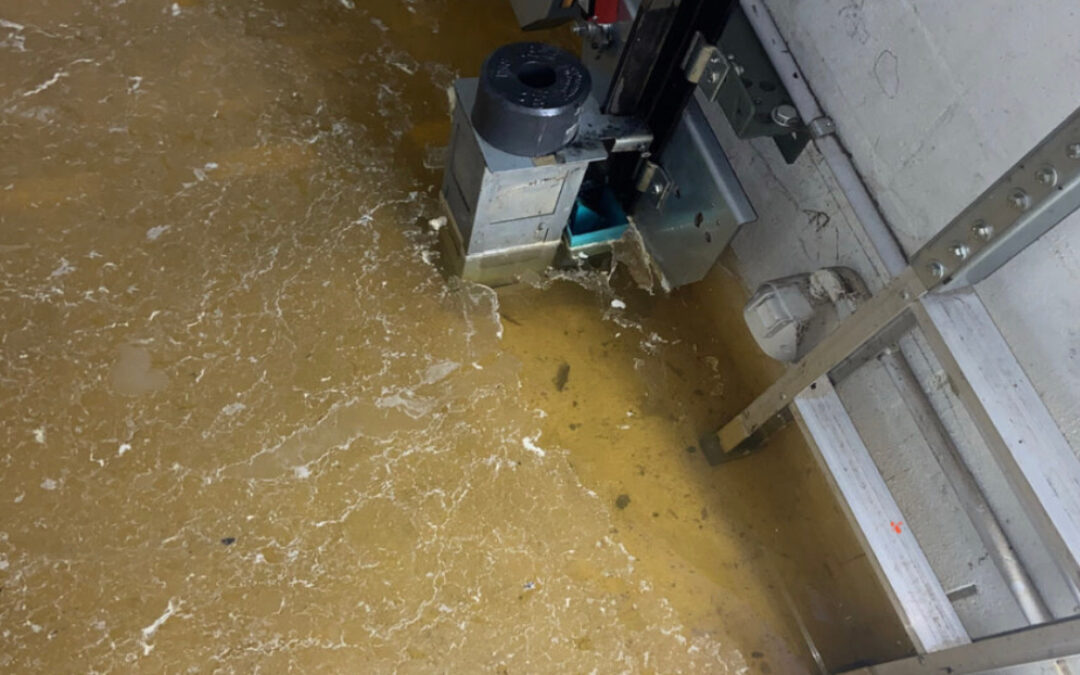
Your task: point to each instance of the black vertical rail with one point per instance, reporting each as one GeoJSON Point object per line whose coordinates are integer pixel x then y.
{"type": "Point", "coordinates": [649, 82]}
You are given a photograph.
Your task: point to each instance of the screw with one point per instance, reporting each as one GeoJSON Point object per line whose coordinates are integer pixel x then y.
{"type": "Point", "coordinates": [961, 251]}
{"type": "Point", "coordinates": [1047, 175]}
{"type": "Point", "coordinates": [785, 115]}
{"type": "Point", "coordinates": [1020, 200]}
{"type": "Point", "coordinates": [1073, 151]}
{"type": "Point", "coordinates": [937, 269]}
{"type": "Point", "coordinates": [983, 230]}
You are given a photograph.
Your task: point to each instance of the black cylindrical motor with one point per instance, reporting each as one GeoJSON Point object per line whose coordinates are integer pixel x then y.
{"type": "Point", "coordinates": [530, 98]}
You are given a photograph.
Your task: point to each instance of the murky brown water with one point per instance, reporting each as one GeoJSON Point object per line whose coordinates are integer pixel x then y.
{"type": "Point", "coordinates": [248, 425]}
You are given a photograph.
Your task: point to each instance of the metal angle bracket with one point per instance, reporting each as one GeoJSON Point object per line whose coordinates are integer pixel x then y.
{"type": "Point", "coordinates": [706, 66]}
{"type": "Point", "coordinates": [654, 182]}
{"type": "Point", "coordinates": [821, 127]}
{"type": "Point", "coordinates": [753, 97]}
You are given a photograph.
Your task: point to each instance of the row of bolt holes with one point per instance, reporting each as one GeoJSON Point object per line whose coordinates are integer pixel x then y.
{"type": "Point", "coordinates": [1018, 199]}
{"type": "Point", "coordinates": [767, 87]}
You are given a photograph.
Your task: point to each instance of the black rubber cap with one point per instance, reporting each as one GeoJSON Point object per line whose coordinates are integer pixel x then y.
{"type": "Point", "coordinates": [530, 98]}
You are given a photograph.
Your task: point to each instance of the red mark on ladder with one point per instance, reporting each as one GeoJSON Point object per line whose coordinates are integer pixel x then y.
{"type": "Point", "coordinates": [897, 526]}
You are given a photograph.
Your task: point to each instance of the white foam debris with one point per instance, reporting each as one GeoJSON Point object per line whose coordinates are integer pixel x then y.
{"type": "Point", "coordinates": [618, 304]}
{"type": "Point", "coordinates": [530, 444]}
{"type": "Point", "coordinates": [156, 231]}
{"type": "Point", "coordinates": [16, 40]}
{"type": "Point", "coordinates": [46, 84]}
{"type": "Point", "coordinates": [175, 9]}
{"type": "Point", "coordinates": [135, 81]}
{"type": "Point", "coordinates": [403, 62]}
{"type": "Point", "coordinates": [302, 472]}
{"type": "Point", "coordinates": [124, 448]}
{"type": "Point", "coordinates": [233, 408]}
{"type": "Point", "coordinates": [439, 371]}
{"type": "Point", "coordinates": [39, 435]}
{"type": "Point", "coordinates": [3, 564]}
{"type": "Point", "coordinates": [437, 224]}
{"type": "Point", "coordinates": [149, 631]}
{"type": "Point", "coordinates": [48, 484]}
{"type": "Point", "coordinates": [64, 269]}
{"type": "Point", "coordinates": [348, 4]}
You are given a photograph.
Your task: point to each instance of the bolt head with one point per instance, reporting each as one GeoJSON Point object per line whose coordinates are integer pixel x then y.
{"type": "Point", "coordinates": [785, 115]}
{"type": "Point", "coordinates": [1047, 175]}
{"type": "Point", "coordinates": [983, 230]}
{"type": "Point", "coordinates": [714, 77]}
{"type": "Point", "coordinates": [657, 189]}
{"type": "Point", "coordinates": [1073, 151]}
{"type": "Point", "coordinates": [960, 251]}
{"type": "Point", "coordinates": [936, 269]}
{"type": "Point", "coordinates": [1019, 200]}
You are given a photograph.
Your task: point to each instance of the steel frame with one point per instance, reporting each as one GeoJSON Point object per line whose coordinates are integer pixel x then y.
{"type": "Point", "coordinates": [1048, 642]}
{"type": "Point", "coordinates": [934, 294]}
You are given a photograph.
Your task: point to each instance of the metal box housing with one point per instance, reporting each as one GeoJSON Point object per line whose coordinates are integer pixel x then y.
{"type": "Point", "coordinates": [506, 212]}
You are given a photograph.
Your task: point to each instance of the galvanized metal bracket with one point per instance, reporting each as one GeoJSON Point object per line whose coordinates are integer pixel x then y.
{"type": "Point", "coordinates": [822, 126]}
{"type": "Point", "coordinates": [654, 182]}
{"type": "Point", "coordinates": [706, 66]}
{"type": "Point", "coordinates": [751, 94]}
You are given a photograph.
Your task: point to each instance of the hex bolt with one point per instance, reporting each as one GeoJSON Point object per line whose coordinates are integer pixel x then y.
{"type": "Point", "coordinates": [1047, 175]}
{"type": "Point", "coordinates": [936, 269]}
{"type": "Point", "coordinates": [785, 115]}
{"type": "Point", "coordinates": [1019, 200]}
{"type": "Point", "coordinates": [961, 251]}
{"type": "Point", "coordinates": [983, 230]}
{"type": "Point", "coordinates": [1073, 151]}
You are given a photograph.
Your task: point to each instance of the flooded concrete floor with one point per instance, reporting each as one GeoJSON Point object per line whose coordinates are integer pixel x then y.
{"type": "Point", "coordinates": [248, 426]}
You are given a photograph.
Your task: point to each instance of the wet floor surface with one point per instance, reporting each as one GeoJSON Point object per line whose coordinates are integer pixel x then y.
{"type": "Point", "coordinates": [249, 426]}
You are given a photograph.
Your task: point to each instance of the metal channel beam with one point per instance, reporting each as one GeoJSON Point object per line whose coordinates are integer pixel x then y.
{"type": "Point", "coordinates": [1033, 196]}
{"type": "Point", "coordinates": [1047, 642]}
{"type": "Point", "coordinates": [1013, 420]}
{"type": "Point", "coordinates": [914, 589]}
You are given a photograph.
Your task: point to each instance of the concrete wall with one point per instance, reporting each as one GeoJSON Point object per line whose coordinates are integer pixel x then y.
{"type": "Point", "coordinates": [934, 99]}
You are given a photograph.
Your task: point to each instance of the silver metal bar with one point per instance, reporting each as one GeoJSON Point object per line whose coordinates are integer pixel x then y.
{"type": "Point", "coordinates": [1048, 642]}
{"type": "Point", "coordinates": [1020, 432]}
{"type": "Point", "coordinates": [974, 502]}
{"type": "Point", "coordinates": [911, 584]}
{"type": "Point", "coordinates": [1033, 196]}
